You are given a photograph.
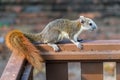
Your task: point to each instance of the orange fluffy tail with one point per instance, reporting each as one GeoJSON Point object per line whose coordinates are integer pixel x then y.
{"type": "Point", "coordinates": [18, 43]}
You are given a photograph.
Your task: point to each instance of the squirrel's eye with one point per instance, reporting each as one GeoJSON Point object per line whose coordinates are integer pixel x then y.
{"type": "Point", "coordinates": [90, 24]}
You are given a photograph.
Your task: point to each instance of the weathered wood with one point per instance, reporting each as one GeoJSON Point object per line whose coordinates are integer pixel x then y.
{"type": "Point", "coordinates": [27, 73]}
{"type": "Point", "coordinates": [97, 45]}
{"type": "Point", "coordinates": [14, 68]}
{"type": "Point", "coordinates": [56, 62]}
{"type": "Point", "coordinates": [56, 71]}
{"type": "Point", "coordinates": [92, 71]}
{"type": "Point", "coordinates": [83, 56]}
{"type": "Point", "coordinates": [118, 71]}
{"type": "Point", "coordinates": [92, 50]}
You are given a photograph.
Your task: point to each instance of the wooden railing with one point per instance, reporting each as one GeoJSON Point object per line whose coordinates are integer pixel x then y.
{"type": "Point", "coordinates": [91, 57]}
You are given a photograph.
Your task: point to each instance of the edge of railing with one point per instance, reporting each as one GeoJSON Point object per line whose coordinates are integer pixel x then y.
{"type": "Point", "coordinates": [92, 50]}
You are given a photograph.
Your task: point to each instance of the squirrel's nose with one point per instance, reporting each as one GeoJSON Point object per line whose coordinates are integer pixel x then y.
{"type": "Point", "coordinates": [94, 27]}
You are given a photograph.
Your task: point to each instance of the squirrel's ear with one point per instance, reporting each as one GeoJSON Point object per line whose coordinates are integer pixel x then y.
{"type": "Point", "coordinates": [81, 16]}
{"type": "Point", "coordinates": [82, 19]}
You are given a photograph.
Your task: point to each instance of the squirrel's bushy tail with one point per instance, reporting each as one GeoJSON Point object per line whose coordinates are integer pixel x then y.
{"type": "Point", "coordinates": [18, 43]}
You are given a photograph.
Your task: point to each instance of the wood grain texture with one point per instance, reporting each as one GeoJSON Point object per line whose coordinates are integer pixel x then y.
{"type": "Point", "coordinates": [92, 71]}
{"type": "Point", "coordinates": [98, 50]}
{"type": "Point", "coordinates": [96, 45]}
{"type": "Point", "coordinates": [56, 71]}
{"type": "Point", "coordinates": [14, 68]}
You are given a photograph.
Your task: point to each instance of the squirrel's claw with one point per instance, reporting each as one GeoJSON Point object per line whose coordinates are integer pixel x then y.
{"type": "Point", "coordinates": [54, 46]}
{"type": "Point", "coordinates": [79, 45]}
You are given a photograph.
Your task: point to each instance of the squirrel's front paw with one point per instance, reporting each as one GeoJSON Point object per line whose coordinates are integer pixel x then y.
{"type": "Point", "coordinates": [54, 46]}
{"type": "Point", "coordinates": [79, 45]}
{"type": "Point", "coordinates": [56, 49]}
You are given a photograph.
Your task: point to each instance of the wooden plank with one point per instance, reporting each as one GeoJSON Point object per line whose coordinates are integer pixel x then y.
{"type": "Point", "coordinates": [92, 71]}
{"type": "Point", "coordinates": [27, 73]}
{"type": "Point", "coordinates": [83, 56]}
{"type": "Point", "coordinates": [98, 45]}
{"type": "Point", "coordinates": [14, 67]}
{"type": "Point", "coordinates": [92, 50]}
{"type": "Point", "coordinates": [118, 71]}
{"type": "Point", "coordinates": [56, 71]}
{"type": "Point", "coordinates": [31, 75]}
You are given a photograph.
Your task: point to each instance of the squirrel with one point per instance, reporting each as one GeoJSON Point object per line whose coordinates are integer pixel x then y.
{"type": "Point", "coordinates": [55, 31]}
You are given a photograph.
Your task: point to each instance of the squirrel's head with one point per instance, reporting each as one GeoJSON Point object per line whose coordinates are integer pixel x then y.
{"type": "Point", "coordinates": [87, 23]}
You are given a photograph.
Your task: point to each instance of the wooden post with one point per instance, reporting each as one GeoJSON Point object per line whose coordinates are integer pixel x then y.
{"type": "Point", "coordinates": [92, 71]}
{"type": "Point", "coordinates": [118, 71]}
{"type": "Point", "coordinates": [56, 70]}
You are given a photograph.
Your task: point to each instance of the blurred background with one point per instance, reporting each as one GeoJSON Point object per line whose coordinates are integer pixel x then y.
{"type": "Point", "coordinates": [33, 15]}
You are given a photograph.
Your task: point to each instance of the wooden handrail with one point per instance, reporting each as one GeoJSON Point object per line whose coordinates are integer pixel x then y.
{"type": "Point", "coordinates": [13, 68]}
{"type": "Point", "coordinates": [98, 50]}
{"type": "Point", "coordinates": [83, 56]}
{"type": "Point", "coordinates": [96, 45]}
{"type": "Point", "coordinates": [16, 67]}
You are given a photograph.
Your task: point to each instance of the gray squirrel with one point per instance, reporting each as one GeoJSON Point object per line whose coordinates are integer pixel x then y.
{"type": "Point", "coordinates": [55, 31]}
